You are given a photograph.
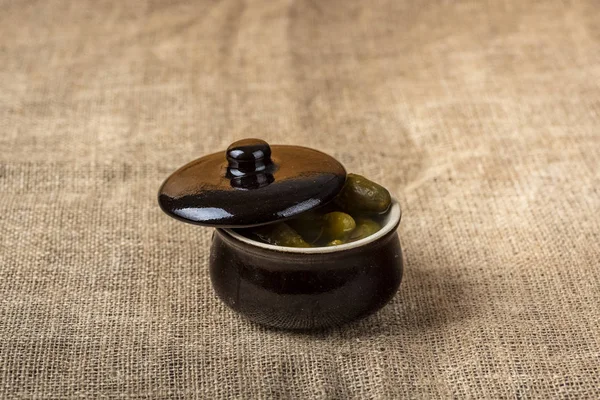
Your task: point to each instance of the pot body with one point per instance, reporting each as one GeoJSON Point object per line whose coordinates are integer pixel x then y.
{"type": "Point", "coordinates": [305, 291]}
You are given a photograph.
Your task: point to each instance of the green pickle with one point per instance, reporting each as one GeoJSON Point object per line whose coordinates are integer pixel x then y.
{"type": "Point", "coordinates": [364, 227]}
{"type": "Point", "coordinates": [310, 225]}
{"type": "Point", "coordinates": [280, 234]}
{"type": "Point", "coordinates": [360, 195]}
{"type": "Point", "coordinates": [338, 225]}
{"type": "Point", "coordinates": [354, 214]}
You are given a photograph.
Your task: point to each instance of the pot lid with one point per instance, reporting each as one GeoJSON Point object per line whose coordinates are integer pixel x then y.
{"type": "Point", "coordinates": [251, 184]}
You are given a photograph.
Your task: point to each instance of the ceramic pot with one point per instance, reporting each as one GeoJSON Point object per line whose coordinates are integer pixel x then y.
{"type": "Point", "coordinates": [307, 288]}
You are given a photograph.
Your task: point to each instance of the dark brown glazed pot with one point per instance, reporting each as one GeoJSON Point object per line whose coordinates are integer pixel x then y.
{"type": "Point", "coordinates": [307, 288]}
{"type": "Point", "coordinates": [252, 184]}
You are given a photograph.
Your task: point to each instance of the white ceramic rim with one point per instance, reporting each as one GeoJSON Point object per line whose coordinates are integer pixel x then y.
{"type": "Point", "coordinates": [391, 222]}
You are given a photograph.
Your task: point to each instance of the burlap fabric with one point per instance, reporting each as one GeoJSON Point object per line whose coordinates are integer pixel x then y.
{"type": "Point", "coordinates": [482, 118]}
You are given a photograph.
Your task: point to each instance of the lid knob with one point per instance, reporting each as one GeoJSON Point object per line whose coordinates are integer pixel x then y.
{"type": "Point", "coordinates": [248, 156]}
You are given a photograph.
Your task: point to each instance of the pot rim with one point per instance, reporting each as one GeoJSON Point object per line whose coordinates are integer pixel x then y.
{"type": "Point", "coordinates": [391, 223]}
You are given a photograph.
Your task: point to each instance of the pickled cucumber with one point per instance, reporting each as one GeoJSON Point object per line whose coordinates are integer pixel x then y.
{"type": "Point", "coordinates": [310, 225]}
{"type": "Point", "coordinates": [280, 234]}
{"type": "Point", "coordinates": [354, 214]}
{"type": "Point", "coordinates": [364, 227]}
{"type": "Point", "coordinates": [338, 225]}
{"type": "Point", "coordinates": [360, 195]}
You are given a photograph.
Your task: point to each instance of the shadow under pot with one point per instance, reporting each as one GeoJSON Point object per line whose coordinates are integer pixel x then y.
{"type": "Point", "coordinates": [307, 288]}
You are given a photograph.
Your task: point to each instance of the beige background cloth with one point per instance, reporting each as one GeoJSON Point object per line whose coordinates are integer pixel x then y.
{"type": "Point", "coordinates": [482, 118]}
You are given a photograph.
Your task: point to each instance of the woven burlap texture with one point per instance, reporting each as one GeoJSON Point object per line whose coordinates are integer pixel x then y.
{"type": "Point", "coordinates": [482, 118]}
